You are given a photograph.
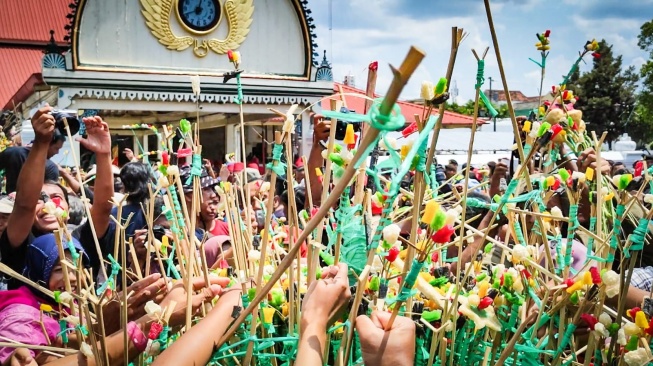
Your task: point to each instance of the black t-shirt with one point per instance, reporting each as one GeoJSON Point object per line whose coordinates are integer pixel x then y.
{"type": "Point", "coordinates": [15, 258]}
{"type": "Point", "coordinates": [12, 161]}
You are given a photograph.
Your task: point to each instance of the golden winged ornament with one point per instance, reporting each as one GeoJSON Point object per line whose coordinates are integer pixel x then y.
{"type": "Point", "coordinates": [239, 16]}
{"type": "Point", "coordinates": [157, 14]}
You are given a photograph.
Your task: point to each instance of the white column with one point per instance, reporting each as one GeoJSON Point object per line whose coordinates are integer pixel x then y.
{"type": "Point", "coordinates": [232, 140]}
{"type": "Point", "coordinates": [146, 148]}
{"type": "Point", "coordinates": [307, 134]}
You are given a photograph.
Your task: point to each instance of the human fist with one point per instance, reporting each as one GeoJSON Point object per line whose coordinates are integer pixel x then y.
{"type": "Point", "coordinates": [381, 345]}
{"type": "Point", "coordinates": [587, 159]}
{"type": "Point", "coordinates": [43, 124]}
{"type": "Point", "coordinates": [321, 129]}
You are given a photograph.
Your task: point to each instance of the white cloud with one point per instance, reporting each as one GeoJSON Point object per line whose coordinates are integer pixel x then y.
{"type": "Point", "coordinates": [376, 35]}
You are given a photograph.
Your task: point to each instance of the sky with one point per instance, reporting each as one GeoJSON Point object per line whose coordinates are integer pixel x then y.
{"type": "Point", "coordinates": [383, 30]}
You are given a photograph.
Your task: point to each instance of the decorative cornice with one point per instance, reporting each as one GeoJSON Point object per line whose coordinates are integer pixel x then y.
{"type": "Point", "coordinates": [74, 6]}
{"type": "Point", "coordinates": [149, 96]}
{"type": "Point", "coordinates": [306, 13]}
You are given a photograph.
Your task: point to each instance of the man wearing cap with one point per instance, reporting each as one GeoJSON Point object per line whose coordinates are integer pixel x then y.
{"type": "Point", "coordinates": [6, 206]}
{"type": "Point", "coordinates": [13, 158]}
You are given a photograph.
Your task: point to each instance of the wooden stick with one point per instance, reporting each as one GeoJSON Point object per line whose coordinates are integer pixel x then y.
{"type": "Point", "coordinates": [413, 59]}
{"type": "Point", "coordinates": [457, 36]}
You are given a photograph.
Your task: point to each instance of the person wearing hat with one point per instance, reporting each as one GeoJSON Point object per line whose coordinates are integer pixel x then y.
{"type": "Point", "coordinates": [6, 206]}
{"type": "Point", "coordinates": [13, 159]}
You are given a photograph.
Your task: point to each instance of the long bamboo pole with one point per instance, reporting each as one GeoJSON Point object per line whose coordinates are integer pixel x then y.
{"type": "Point", "coordinates": [401, 76]}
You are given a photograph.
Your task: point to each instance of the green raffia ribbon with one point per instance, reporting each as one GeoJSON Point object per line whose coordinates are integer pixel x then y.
{"type": "Point", "coordinates": [384, 123]}
{"type": "Point", "coordinates": [73, 251]}
{"type": "Point", "coordinates": [239, 98]}
{"type": "Point", "coordinates": [421, 161]}
{"type": "Point", "coordinates": [82, 329]}
{"type": "Point", "coordinates": [590, 241]}
{"type": "Point", "coordinates": [519, 232]}
{"type": "Point", "coordinates": [280, 167]}
{"type": "Point", "coordinates": [352, 229]}
{"type": "Point", "coordinates": [637, 237]}
{"type": "Point", "coordinates": [619, 212]}
{"type": "Point", "coordinates": [407, 288]}
{"type": "Point", "coordinates": [541, 64]}
{"type": "Point", "coordinates": [480, 80]}
{"type": "Point", "coordinates": [383, 223]}
{"type": "Point", "coordinates": [111, 281]}
{"type": "Point", "coordinates": [63, 327]}
{"type": "Point", "coordinates": [559, 257]}
{"type": "Point", "coordinates": [573, 69]}
{"type": "Point", "coordinates": [566, 338]}
{"type": "Point", "coordinates": [175, 200]}
{"type": "Point", "coordinates": [195, 168]}
{"type": "Point", "coordinates": [571, 230]}
{"type": "Point", "coordinates": [527, 149]}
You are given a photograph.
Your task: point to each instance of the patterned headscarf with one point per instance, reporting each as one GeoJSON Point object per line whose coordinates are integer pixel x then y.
{"type": "Point", "coordinates": [43, 255]}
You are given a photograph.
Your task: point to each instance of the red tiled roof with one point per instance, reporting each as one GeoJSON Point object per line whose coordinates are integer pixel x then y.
{"type": "Point", "coordinates": [18, 66]}
{"type": "Point", "coordinates": [30, 21]}
{"type": "Point", "coordinates": [451, 119]}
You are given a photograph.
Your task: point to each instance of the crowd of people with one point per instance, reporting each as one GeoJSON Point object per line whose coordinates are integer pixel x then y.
{"type": "Point", "coordinates": [124, 211]}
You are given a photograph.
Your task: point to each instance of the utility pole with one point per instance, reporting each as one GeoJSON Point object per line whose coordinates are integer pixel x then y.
{"type": "Point", "coordinates": [491, 98]}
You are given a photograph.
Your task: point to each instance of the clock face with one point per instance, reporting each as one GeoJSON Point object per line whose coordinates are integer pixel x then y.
{"type": "Point", "coordinates": [199, 16]}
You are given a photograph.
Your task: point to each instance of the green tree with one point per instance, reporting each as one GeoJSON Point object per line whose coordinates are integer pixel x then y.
{"type": "Point", "coordinates": [606, 93]}
{"type": "Point", "coordinates": [641, 123]}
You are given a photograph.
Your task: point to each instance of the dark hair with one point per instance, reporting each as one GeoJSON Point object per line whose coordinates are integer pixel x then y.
{"type": "Point", "coordinates": [135, 177]}
{"type": "Point", "coordinates": [300, 198]}
{"type": "Point", "coordinates": [450, 167]}
{"type": "Point", "coordinates": [76, 211]}
{"type": "Point", "coordinates": [63, 189]}
{"type": "Point", "coordinates": [158, 207]}
{"type": "Point", "coordinates": [58, 136]}
{"type": "Point", "coordinates": [117, 184]}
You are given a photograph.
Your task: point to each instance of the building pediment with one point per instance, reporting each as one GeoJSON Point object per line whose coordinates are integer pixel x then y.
{"type": "Point", "coordinates": [168, 37]}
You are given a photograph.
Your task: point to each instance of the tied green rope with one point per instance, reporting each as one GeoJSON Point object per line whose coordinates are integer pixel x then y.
{"type": "Point", "coordinates": [519, 232]}
{"type": "Point", "coordinates": [619, 212]}
{"type": "Point", "coordinates": [421, 161]}
{"type": "Point", "coordinates": [280, 167]}
{"type": "Point", "coordinates": [480, 80]}
{"type": "Point", "coordinates": [571, 229]}
{"type": "Point", "coordinates": [590, 241]}
{"type": "Point", "coordinates": [63, 327]}
{"type": "Point", "coordinates": [73, 251]}
{"type": "Point", "coordinates": [384, 123]}
{"type": "Point", "coordinates": [239, 98]}
{"type": "Point", "coordinates": [637, 237]}
{"type": "Point", "coordinates": [195, 168]}
{"type": "Point", "coordinates": [175, 200]}
{"type": "Point", "coordinates": [559, 256]}
{"type": "Point", "coordinates": [111, 281]}
{"type": "Point", "coordinates": [409, 282]}
{"type": "Point", "coordinates": [571, 328]}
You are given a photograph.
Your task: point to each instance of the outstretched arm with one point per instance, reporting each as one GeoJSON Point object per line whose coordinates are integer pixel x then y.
{"type": "Point", "coordinates": [98, 140]}
{"type": "Point", "coordinates": [197, 345]}
{"type": "Point", "coordinates": [30, 179]}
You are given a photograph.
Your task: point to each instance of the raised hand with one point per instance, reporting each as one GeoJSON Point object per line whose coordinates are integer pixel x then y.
{"type": "Point", "coordinates": [177, 296]}
{"type": "Point", "coordinates": [386, 346]}
{"type": "Point", "coordinates": [326, 298]}
{"type": "Point", "coordinates": [98, 138]}
{"type": "Point", "coordinates": [43, 124]}
{"type": "Point", "coordinates": [149, 288]}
